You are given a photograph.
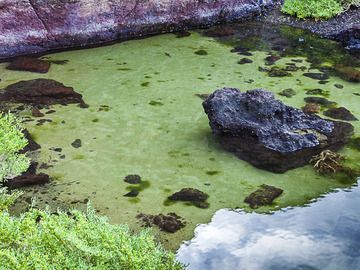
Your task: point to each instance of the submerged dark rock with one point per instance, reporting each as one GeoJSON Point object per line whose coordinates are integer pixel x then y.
{"type": "Point", "coordinates": [340, 113]}
{"type": "Point", "coordinates": [77, 143]}
{"type": "Point", "coordinates": [347, 73]}
{"type": "Point", "coordinates": [268, 134]}
{"type": "Point", "coordinates": [321, 101]}
{"type": "Point", "coordinates": [195, 196]}
{"type": "Point", "coordinates": [311, 108]}
{"type": "Point", "coordinates": [289, 92]}
{"type": "Point", "coordinates": [40, 91]}
{"type": "Point", "coordinates": [265, 195]}
{"type": "Point", "coordinates": [133, 179]}
{"type": "Point", "coordinates": [132, 193]}
{"type": "Point", "coordinates": [245, 61]}
{"type": "Point", "coordinates": [169, 223]}
{"type": "Point", "coordinates": [32, 145]}
{"type": "Point", "coordinates": [29, 64]}
{"type": "Point", "coordinates": [317, 76]}
{"type": "Point", "coordinates": [278, 72]}
{"type": "Point", "coordinates": [28, 178]}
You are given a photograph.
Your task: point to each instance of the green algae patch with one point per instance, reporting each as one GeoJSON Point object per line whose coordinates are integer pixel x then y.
{"type": "Point", "coordinates": [172, 144]}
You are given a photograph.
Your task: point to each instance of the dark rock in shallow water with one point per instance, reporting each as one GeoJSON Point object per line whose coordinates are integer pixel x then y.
{"type": "Point", "coordinates": [29, 64]}
{"type": "Point", "coordinates": [278, 72]}
{"type": "Point", "coordinates": [340, 113]}
{"type": "Point", "coordinates": [32, 145]}
{"type": "Point", "coordinates": [317, 76]}
{"type": "Point", "coordinates": [348, 73]}
{"type": "Point", "coordinates": [133, 179]}
{"type": "Point", "coordinates": [40, 91]}
{"type": "Point", "coordinates": [268, 134]}
{"type": "Point", "coordinates": [195, 196]}
{"type": "Point", "coordinates": [311, 108]}
{"type": "Point", "coordinates": [169, 223]}
{"type": "Point", "coordinates": [265, 195]}
{"type": "Point", "coordinates": [77, 143]}
{"type": "Point", "coordinates": [321, 101]}
{"type": "Point", "coordinates": [245, 61]}
{"type": "Point", "coordinates": [132, 193]}
{"type": "Point", "coordinates": [28, 178]}
{"type": "Point", "coordinates": [287, 93]}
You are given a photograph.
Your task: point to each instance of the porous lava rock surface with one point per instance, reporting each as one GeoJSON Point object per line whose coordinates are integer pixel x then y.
{"type": "Point", "coordinates": [269, 134]}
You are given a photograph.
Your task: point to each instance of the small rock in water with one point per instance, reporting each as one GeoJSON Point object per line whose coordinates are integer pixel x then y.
{"type": "Point", "coordinates": [317, 76]}
{"type": "Point", "coordinates": [76, 144]}
{"type": "Point", "coordinates": [311, 108]}
{"type": "Point", "coordinates": [132, 193]}
{"type": "Point", "coordinates": [265, 195]}
{"type": "Point", "coordinates": [288, 93]}
{"type": "Point", "coordinates": [169, 223]}
{"type": "Point", "coordinates": [271, 59]}
{"type": "Point", "coordinates": [133, 179]}
{"type": "Point", "coordinates": [29, 64]}
{"type": "Point", "coordinates": [339, 86]}
{"type": "Point", "coordinates": [245, 61]}
{"type": "Point", "coordinates": [340, 113]}
{"type": "Point", "coordinates": [195, 196]}
{"type": "Point", "coordinates": [36, 112]}
{"type": "Point", "coordinates": [317, 91]}
{"type": "Point", "coordinates": [278, 72]}
{"type": "Point", "coordinates": [241, 51]}
{"type": "Point", "coordinates": [348, 73]}
{"type": "Point", "coordinates": [201, 52]}
{"type": "Point", "coordinates": [321, 101]}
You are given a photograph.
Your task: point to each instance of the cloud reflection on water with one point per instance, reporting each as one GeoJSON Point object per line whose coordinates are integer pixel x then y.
{"type": "Point", "coordinates": [323, 235]}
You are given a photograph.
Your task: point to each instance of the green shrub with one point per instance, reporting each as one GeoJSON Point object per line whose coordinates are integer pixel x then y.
{"type": "Point", "coordinates": [74, 240]}
{"type": "Point", "coordinates": [319, 9]}
{"type": "Point", "coordinates": [7, 199]}
{"type": "Point", "coordinates": [11, 141]}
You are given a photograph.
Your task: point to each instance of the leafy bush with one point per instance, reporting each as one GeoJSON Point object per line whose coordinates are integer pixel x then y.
{"type": "Point", "coordinates": [320, 9]}
{"type": "Point", "coordinates": [11, 141]}
{"type": "Point", "coordinates": [74, 240]}
{"type": "Point", "coordinates": [7, 199]}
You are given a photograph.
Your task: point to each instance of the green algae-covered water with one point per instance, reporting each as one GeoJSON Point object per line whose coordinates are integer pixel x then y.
{"type": "Point", "coordinates": [145, 118]}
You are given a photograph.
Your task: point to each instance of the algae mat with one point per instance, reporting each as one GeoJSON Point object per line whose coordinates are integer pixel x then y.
{"type": "Point", "coordinates": [145, 118]}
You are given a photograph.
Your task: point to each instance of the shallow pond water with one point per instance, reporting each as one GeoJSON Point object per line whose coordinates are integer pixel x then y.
{"type": "Point", "coordinates": [145, 118]}
{"type": "Point", "coordinates": [322, 235]}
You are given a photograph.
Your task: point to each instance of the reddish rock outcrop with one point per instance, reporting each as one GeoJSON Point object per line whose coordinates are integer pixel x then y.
{"type": "Point", "coordinates": [31, 26]}
{"type": "Point", "coordinates": [40, 91]}
{"type": "Point", "coordinates": [29, 64]}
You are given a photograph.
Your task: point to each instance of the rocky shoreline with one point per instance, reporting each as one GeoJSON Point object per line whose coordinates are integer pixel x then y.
{"type": "Point", "coordinates": [36, 26]}
{"type": "Point", "coordinates": [344, 28]}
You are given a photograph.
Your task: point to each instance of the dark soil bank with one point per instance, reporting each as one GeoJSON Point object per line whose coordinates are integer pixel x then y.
{"type": "Point", "coordinates": [33, 26]}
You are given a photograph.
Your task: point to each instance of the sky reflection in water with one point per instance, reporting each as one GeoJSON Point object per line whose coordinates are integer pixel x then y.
{"type": "Point", "coordinates": [323, 235]}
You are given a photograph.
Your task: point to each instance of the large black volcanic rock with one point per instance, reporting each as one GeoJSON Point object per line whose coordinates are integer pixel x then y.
{"type": "Point", "coordinates": [268, 134]}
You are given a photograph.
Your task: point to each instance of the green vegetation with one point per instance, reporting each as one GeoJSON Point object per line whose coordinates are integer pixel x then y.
{"type": "Point", "coordinates": [40, 239]}
{"type": "Point", "coordinates": [11, 141]}
{"type": "Point", "coordinates": [74, 240]}
{"type": "Point", "coordinates": [318, 9]}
